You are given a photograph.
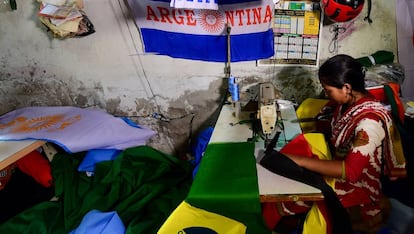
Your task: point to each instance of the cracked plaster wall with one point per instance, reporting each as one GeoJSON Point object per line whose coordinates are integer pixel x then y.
{"type": "Point", "coordinates": [108, 69]}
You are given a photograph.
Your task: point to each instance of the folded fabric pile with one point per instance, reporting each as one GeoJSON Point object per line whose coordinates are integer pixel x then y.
{"type": "Point", "coordinates": [379, 57]}
{"type": "Point", "coordinates": [65, 18]}
{"type": "Point", "coordinates": [138, 189]}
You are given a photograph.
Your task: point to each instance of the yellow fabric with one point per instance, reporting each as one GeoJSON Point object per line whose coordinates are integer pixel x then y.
{"type": "Point", "coordinates": [318, 145]}
{"type": "Point", "coordinates": [397, 146]}
{"type": "Point", "coordinates": [320, 148]}
{"type": "Point", "coordinates": [309, 108]}
{"type": "Point", "coordinates": [186, 218]}
{"type": "Point", "coordinates": [315, 222]}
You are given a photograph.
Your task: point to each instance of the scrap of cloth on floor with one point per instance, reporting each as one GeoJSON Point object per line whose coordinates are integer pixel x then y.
{"type": "Point", "coordinates": [72, 128]}
{"type": "Point", "coordinates": [142, 185]}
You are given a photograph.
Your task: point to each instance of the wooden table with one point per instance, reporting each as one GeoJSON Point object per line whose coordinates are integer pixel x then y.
{"type": "Point", "coordinates": [11, 151]}
{"type": "Point", "coordinates": [272, 187]}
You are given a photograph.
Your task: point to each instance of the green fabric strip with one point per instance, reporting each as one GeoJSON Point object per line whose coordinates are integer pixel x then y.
{"type": "Point", "coordinates": [226, 184]}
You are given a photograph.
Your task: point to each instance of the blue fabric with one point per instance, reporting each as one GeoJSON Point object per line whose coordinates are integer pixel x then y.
{"type": "Point", "coordinates": [246, 47]}
{"type": "Point", "coordinates": [96, 221]}
{"type": "Point", "coordinates": [130, 122]}
{"type": "Point", "coordinates": [95, 156]}
{"type": "Point", "coordinates": [200, 146]}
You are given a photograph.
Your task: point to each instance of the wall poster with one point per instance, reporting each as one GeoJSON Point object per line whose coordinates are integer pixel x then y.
{"type": "Point", "coordinates": [296, 27]}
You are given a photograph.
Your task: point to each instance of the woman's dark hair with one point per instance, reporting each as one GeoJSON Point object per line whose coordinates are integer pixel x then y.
{"type": "Point", "coordinates": [342, 69]}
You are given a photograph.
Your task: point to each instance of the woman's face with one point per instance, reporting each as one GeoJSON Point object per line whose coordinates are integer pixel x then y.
{"type": "Point", "coordinates": [338, 95]}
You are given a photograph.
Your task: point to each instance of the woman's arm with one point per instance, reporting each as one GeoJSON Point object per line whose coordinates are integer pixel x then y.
{"type": "Point", "coordinates": [330, 168]}
{"type": "Point", "coordinates": [368, 137]}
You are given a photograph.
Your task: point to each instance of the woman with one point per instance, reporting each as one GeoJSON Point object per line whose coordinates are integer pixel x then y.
{"type": "Point", "coordinates": [359, 136]}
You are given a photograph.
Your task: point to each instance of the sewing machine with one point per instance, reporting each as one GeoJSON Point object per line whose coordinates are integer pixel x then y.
{"type": "Point", "coordinates": [267, 110]}
{"type": "Point", "coordinates": [260, 106]}
{"type": "Point", "coordinates": [258, 102]}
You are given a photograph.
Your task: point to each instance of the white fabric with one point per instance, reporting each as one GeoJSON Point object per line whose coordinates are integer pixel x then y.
{"type": "Point", "coordinates": [405, 36]}
{"type": "Point", "coordinates": [148, 15]}
{"type": "Point", "coordinates": [74, 129]}
{"type": "Point", "coordinates": [372, 59]}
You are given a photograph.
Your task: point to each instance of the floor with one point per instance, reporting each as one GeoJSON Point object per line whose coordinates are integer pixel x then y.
{"type": "Point", "coordinates": [401, 219]}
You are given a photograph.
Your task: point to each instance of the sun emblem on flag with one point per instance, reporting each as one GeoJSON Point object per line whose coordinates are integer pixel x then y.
{"type": "Point", "coordinates": [47, 123]}
{"type": "Point", "coordinates": [211, 21]}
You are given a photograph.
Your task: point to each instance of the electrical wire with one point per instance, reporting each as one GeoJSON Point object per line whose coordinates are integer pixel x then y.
{"type": "Point", "coordinates": [152, 94]}
{"type": "Point", "coordinates": [167, 119]}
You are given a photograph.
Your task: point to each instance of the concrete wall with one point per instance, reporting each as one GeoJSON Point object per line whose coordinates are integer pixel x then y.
{"type": "Point", "coordinates": [109, 70]}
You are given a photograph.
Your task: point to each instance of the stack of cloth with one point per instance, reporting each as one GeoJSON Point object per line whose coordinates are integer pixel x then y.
{"type": "Point", "coordinates": [65, 18]}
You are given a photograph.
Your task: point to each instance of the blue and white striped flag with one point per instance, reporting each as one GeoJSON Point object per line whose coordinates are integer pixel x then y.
{"type": "Point", "coordinates": [200, 34]}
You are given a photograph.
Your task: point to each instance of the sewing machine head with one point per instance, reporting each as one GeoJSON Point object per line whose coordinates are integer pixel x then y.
{"type": "Point", "coordinates": [267, 111]}
{"type": "Point", "coordinates": [263, 108]}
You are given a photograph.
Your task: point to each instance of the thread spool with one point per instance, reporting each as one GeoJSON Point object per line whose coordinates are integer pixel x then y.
{"type": "Point", "coordinates": [233, 89]}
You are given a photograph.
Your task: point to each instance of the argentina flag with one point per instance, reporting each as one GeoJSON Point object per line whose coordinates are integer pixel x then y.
{"type": "Point", "coordinates": [72, 128]}
{"type": "Point", "coordinates": [202, 34]}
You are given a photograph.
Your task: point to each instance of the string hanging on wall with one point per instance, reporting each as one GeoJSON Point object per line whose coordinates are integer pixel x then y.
{"type": "Point", "coordinates": [336, 30]}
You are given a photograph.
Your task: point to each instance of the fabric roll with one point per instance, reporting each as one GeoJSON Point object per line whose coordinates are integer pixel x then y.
{"type": "Point", "coordinates": [379, 57]}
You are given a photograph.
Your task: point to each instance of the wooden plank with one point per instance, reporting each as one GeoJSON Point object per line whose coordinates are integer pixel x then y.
{"type": "Point", "coordinates": [291, 197]}
{"type": "Point", "coordinates": [11, 151]}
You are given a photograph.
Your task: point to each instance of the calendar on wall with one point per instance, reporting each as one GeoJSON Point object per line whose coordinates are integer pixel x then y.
{"type": "Point", "coordinates": [296, 28]}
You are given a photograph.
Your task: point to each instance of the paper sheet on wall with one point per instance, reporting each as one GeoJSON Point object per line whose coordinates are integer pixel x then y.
{"type": "Point", "coordinates": [296, 28]}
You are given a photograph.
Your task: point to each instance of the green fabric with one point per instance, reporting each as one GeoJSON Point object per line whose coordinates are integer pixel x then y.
{"type": "Point", "coordinates": [226, 184]}
{"type": "Point", "coordinates": [380, 57]}
{"type": "Point", "coordinates": [142, 185]}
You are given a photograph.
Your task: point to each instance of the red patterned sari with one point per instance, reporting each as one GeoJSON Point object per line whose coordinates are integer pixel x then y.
{"type": "Point", "coordinates": [361, 134]}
